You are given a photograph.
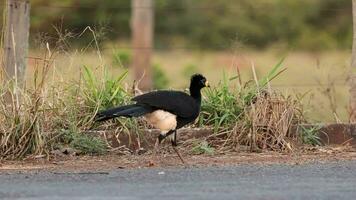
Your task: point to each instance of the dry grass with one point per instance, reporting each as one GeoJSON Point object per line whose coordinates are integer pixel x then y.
{"type": "Point", "coordinates": [49, 112]}
{"type": "Point", "coordinates": [264, 125]}
{"type": "Point", "coordinates": [250, 115]}
{"type": "Point", "coordinates": [53, 106]}
{"type": "Point", "coordinates": [24, 115]}
{"type": "Point", "coordinates": [315, 76]}
{"type": "Point", "coordinates": [272, 117]}
{"type": "Point", "coordinates": [45, 112]}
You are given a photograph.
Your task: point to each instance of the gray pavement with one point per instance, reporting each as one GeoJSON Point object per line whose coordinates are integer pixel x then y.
{"type": "Point", "coordinates": [335, 180]}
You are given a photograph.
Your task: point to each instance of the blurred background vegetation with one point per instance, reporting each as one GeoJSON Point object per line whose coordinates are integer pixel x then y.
{"type": "Point", "coordinates": [209, 24]}
{"type": "Point", "coordinates": [210, 37]}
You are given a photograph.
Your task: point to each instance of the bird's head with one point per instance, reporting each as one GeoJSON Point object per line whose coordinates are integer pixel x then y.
{"type": "Point", "coordinates": [198, 81]}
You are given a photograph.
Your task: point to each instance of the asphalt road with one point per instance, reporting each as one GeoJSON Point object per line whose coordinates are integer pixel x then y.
{"type": "Point", "coordinates": [311, 181]}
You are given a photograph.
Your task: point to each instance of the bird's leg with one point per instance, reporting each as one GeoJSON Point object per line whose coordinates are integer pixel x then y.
{"type": "Point", "coordinates": [161, 137]}
{"type": "Point", "coordinates": [179, 155]}
{"type": "Point", "coordinates": [174, 146]}
{"type": "Point", "coordinates": [173, 139]}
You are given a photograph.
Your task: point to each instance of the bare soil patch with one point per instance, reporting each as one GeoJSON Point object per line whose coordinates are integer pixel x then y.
{"type": "Point", "coordinates": [166, 159]}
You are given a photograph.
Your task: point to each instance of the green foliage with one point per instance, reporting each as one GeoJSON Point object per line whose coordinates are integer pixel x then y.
{"type": "Point", "coordinates": [224, 104]}
{"type": "Point", "coordinates": [160, 79]}
{"type": "Point", "coordinates": [275, 71]}
{"type": "Point", "coordinates": [105, 92]}
{"type": "Point", "coordinates": [250, 90]}
{"type": "Point", "coordinates": [189, 70]}
{"type": "Point", "coordinates": [311, 135]}
{"type": "Point", "coordinates": [220, 107]}
{"type": "Point", "coordinates": [312, 25]}
{"type": "Point", "coordinates": [84, 143]}
{"type": "Point", "coordinates": [121, 58]}
{"type": "Point", "coordinates": [202, 148]}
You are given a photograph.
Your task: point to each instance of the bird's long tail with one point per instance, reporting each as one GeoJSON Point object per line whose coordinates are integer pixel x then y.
{"type": "Point", "coordinates": [134, 110]}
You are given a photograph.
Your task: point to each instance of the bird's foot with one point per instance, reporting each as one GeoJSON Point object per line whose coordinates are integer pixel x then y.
{"type": "Point", "coordinates": [180, 156]}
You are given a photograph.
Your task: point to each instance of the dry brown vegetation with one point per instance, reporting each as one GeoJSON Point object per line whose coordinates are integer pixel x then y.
{"type": "Point", "coordinates": [45, 117]}
{"type": "Point", "coordinates": [50, 112]}
{"type": "Point", "coordinates": [266, 125]}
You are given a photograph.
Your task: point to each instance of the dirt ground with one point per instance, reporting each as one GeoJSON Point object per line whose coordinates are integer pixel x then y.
{"type": "Point", "coordinates": [166, 159]}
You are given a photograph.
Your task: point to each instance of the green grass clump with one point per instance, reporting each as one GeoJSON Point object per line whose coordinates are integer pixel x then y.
{"type": "Point", "coordinates": [100, 93]}
{"type": "Point", "coordinates": [221, 106]}
{"type": "Point", "coordinates": [250, 114]}
{"type": "Point", "coordinates": [225, 104]}
{"type": "Point", "coordinates": [202, 148]}
{"type": "Point", "coordinates": [103, 92]}
{"type": "Point", "coordinates": [310, 136]}
{"type": "Point", "coordinates": [83, 143]}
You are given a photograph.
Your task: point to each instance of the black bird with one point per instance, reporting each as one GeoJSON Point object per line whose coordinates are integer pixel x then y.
{"type": "Point", "coordinates": [165, 110]}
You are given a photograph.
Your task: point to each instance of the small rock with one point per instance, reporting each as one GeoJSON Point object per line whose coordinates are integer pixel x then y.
{"type": "Point", "coordinates": [57, 153]}
{"type": "Point", "coordinates": [70, 151]}
{"type": "Point", "coordinates": [141, 151]}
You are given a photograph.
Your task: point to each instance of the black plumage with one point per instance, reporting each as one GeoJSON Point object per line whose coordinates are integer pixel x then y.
{"type": "Point", "coordinates": [135, 110]}
{"type": "Point", "coordinates": [178, 103]}
{"type": "Point", "coordinates": [166, 110]}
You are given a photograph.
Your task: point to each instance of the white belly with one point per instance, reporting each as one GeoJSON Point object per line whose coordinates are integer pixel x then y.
{"type": "Point", "coordinates": [162, 120]}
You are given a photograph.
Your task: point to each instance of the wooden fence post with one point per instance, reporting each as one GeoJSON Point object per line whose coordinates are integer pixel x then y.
{"type": "Point", "coordinates": [142, 38]}
{"type": "Point", "coordinates": [352, 77]}
{"type": "Point", "coordinates": [16, 34]}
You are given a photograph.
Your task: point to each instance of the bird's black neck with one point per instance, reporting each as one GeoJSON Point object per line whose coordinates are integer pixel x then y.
{"type": "Point", "coordinates": [195, 93]}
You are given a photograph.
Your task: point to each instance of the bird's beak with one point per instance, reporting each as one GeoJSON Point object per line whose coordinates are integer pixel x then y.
{"type": "Point", "coordinates": [207, 84]}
